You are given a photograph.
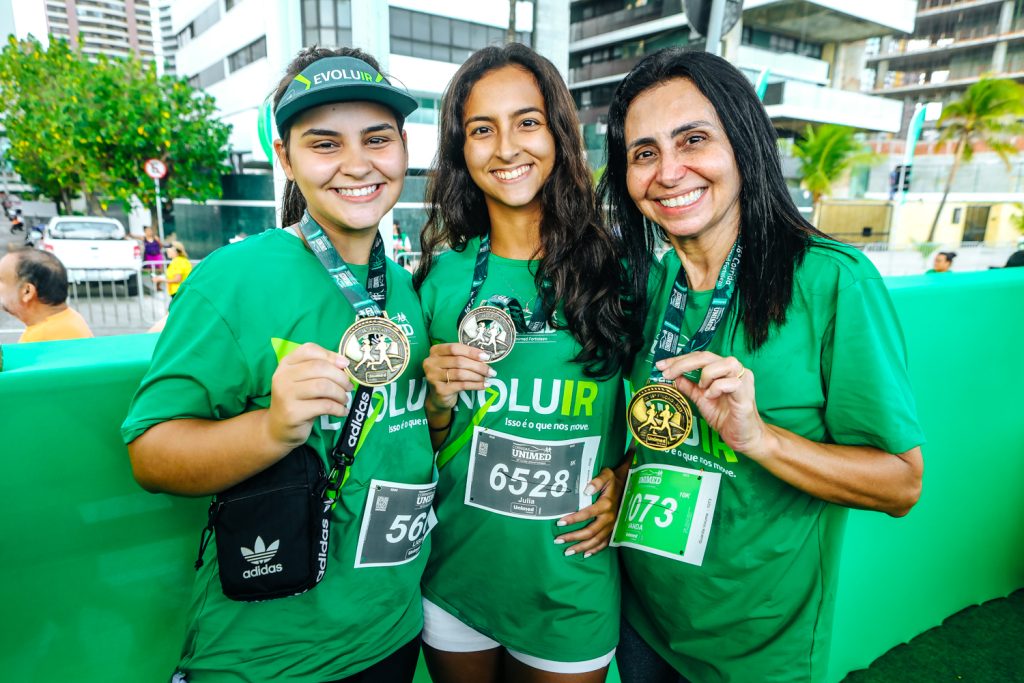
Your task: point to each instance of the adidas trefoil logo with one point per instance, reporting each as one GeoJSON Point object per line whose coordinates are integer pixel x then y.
{"type": "Point", "coordinates": [260, 555]}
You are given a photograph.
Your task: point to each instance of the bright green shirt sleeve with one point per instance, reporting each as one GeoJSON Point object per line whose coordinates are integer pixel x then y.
{"type": "Point", "coordinates": [864, 361]}
{"type": "Point", "coordinates": [198, 370]}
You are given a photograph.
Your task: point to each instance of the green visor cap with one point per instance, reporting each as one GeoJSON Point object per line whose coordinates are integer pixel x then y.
{"type": "Point", "coordinates": [339, 79]}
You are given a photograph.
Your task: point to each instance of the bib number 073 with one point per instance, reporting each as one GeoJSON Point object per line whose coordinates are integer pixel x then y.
{"type": "Point", "coordinates": [520, 479]}
{"type": "Point", "coordinates": [646, 501]}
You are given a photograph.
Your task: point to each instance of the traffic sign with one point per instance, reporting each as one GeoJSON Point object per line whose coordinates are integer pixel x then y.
{"type": "Point", "coordinates": [155, 169]}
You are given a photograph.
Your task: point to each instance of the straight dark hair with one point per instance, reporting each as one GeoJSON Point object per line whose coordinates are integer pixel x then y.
{"type": "Point", "coordinates": [582, 259]}
{"type": "Point", "coordinates": [293, 204]}
{"type": "Point", "coordinates": [773, 234]}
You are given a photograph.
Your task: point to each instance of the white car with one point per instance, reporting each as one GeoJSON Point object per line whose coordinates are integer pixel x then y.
{"type": "Point", "coordinates": [94, 249]}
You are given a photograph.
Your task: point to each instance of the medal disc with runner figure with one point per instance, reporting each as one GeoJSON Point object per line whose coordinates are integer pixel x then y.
{"type": "Point", "coordinates": [659, 417]}
{"type": "Point", "coordinates": [489, 329]}
{"type": "Point", "coordinates": [377, 351]}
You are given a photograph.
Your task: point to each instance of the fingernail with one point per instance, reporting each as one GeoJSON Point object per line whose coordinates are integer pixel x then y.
{"type": "Point", "coordinates": [485, 356]}
{"type": "Point", "coordinates": [341, 362]}
{"type": "Point", "coordinates": [561, 522]}
{"type": "Point", "coordinates": [559, 541]}
{"type": "Point", "coordinates": [492, 373]}
{"type": "Point", "coordinates": [660, 365]}
{"type": "Point", "coordinates": [587, 554]}
{"type": "Point", "coordinates": [569, 552]}
{"type": "Point", "coordinates": [589, 491]}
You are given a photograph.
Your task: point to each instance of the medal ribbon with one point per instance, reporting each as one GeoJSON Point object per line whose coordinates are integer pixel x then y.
{"type": "Point", "coordinates": [539, 316]}
{"type": "Point", "coordinates": [367, 302]}
{"type": "Point", "coordinates": [668, 338]}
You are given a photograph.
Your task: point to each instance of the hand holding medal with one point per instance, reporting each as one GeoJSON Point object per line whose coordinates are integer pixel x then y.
{"type": "Point", "coordinates": [492, 327]}
{"type": "Point", "coordinates": [724, 395]}
{"type": "Point", "coordinates": [659, 417]}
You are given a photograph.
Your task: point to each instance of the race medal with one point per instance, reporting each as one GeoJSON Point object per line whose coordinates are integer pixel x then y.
{"type": "Point", "coordinates": [377, 351]}
{"type": "Point", "coordinates": [489, 329]}
{"type": "Point", "coordinates": [659, 417]}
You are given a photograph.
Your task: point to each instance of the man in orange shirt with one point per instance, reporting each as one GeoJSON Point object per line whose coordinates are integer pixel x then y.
{"type": "Point", "coordinates": [34, 289]}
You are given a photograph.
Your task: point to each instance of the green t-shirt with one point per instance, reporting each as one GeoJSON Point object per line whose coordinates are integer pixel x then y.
{"type": "Point", "coordinates": [233, 317]}
{"type": "Point", "coordinates": [759, 608]}
{"type": "Point", "coordinates": [503, 575]}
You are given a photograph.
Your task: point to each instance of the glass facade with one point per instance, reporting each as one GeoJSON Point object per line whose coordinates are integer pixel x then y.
{"type": "Point", "coordinates": [327, 23]}
{"type": "Point", "coordinates": [442, 39]}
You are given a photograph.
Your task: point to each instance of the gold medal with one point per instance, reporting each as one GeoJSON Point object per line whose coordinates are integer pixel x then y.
{"type": "Point", "coordinates": [659, 417]}
{"type": "Point", "coordinates": [377, 351]}
{"type": "Point", "coordinates": [489, 329]}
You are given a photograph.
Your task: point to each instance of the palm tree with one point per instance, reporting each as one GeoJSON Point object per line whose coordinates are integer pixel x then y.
{"type": "Point", "coordinates": [825, 154]}
{"type": "Point", "coordinates": [988, 114]}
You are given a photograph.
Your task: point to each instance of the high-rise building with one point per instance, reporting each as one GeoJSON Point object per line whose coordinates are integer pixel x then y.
{"type": "Point", "coordinates": [116, 28]}
{"type": "Point", "coordinates": [808, 50]}
{"type": "Point", "coordinates": [166, 41]}
{"type": "Point", "coordinates": [954, 43]}
{"type": "Point", "coordinates": [237, 51]}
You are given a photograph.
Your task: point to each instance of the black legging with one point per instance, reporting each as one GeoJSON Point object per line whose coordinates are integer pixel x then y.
{"type": "Point", "coordinates": [639, 663]}
{"type": "Point", "coordinates": [397, 667]}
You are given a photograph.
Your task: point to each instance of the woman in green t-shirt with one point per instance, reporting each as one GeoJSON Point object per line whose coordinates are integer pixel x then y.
{"type": "Point", "coordinates": [245, 378]}
{"type": "Point", "coordinates": [527, 430]}
{"type": "Point", "coordinates": [797, 404]}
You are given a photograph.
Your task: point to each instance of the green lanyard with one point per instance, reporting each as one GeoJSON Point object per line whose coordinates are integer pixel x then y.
{"type": "Point", "coordinates": [721, 298]}
{"type": "Point", "coordinates": [538, 318]}
{"type": "Point", "coordinates": [366, 302]}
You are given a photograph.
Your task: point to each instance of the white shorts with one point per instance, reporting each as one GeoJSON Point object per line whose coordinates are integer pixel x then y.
{"type": "Point", "coordinates": [444, 632]}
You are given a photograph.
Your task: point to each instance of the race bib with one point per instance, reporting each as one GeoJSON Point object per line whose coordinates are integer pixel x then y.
{"type": "Point", "coordinates": [667, 511]}
{"type": "Point", "coordinates": [396, 521]}
{"type": "Point", "coordinates": [526, 478]}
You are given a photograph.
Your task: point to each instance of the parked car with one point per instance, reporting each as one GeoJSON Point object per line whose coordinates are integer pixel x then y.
{"type": "Point", "coordinates": [94, 249]}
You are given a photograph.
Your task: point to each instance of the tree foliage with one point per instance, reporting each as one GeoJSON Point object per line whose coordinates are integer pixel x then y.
{"type": "Point", "coordinates": [86, 126]}
{"type": "Point", "coordinates": [988, 114]}
{"type": "Point", "coordinates": [825, 154]}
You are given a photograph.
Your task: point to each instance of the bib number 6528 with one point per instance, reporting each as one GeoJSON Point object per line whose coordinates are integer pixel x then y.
{"type": "Point", "coordinates": [519, 480]}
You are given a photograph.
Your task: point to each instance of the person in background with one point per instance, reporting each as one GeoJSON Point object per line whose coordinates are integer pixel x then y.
{"type": "Point", "coordinates": [177, 270]}
{"type": "Point", "coordinates": [17, 223]}
{"type": "Point", "coordinates": [239, 236]}
{"type": "Point", "coordinates": [34, 289]}
{"type": "Point", "coordinates": [152, 250]}
{"type": "Point", "coordinates": [1016, 259]}
{"type": "Point", "coordinates": [401, 244]}
{"type": "Point", "coordinates": [943, 262]}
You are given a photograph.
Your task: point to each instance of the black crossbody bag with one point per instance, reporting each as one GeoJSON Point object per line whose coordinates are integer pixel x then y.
{"type": "Point", "coordinates": [272, 530]}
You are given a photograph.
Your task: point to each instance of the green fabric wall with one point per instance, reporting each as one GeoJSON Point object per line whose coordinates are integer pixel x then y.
{"type": "Point", "coordinates": [96, 572]}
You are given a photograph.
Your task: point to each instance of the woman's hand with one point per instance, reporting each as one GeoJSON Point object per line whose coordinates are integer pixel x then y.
{"type": "Point", "coordinates": [451, 368]}
{"type": "Point", "coordinates": [724, 396]}
{"type": "Point", "coordinates": [594, 537]}
{"type": "Point", "coordinates": [309, 382]}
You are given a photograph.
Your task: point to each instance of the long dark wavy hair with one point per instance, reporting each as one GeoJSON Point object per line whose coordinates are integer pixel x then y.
{"type": "Point", "coordinates": [773, 234]}
{"type": "Point", "coordinates": [293, 203]}
{"type": "Point", "coordinates": [581, 258]}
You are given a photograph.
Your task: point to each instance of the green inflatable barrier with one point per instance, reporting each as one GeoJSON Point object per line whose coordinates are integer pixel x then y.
{"type": "Point", "coordinates": [96, 573]}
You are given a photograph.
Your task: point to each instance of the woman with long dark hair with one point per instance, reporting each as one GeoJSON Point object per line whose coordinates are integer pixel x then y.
{"type": "Point", "coordinates": [770, 395]}
{"type": "Point", "coordinates": [531, 335]}
{"type": "Point", "coordinates": [321, 512]}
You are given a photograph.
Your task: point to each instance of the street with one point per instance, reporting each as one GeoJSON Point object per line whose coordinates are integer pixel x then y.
{"type": "Point", "coordinates": [107, 309]}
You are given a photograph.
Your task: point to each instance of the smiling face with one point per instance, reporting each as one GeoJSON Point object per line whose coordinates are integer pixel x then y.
{"type": "Point", "coordinates": [509, 149]}
{"type": "Point", "coordinates": [349, 161]}
{"type": "Point", "coordinates": [681, 171]}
